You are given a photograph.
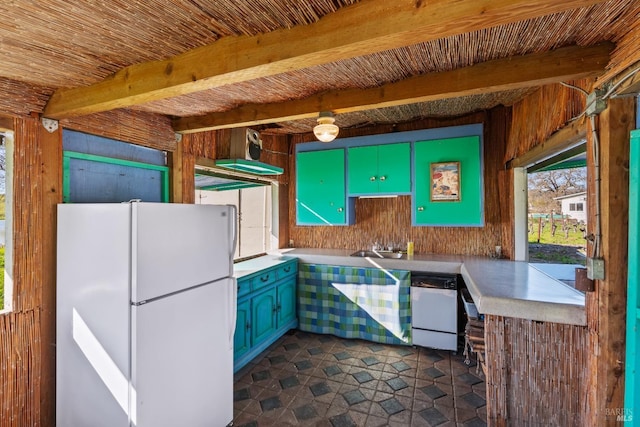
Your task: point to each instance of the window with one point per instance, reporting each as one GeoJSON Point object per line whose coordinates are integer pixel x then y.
{"type": "Point", "coordinates": [572, 206]}
{"type": "Point", "coordinates": [6, 209]}
{"type": "Point", "coordinates": [256, 234]}
{"type": "Point", "coordinates": [579, 207]}
{"type": "Point", "coordinates": [103, 170]}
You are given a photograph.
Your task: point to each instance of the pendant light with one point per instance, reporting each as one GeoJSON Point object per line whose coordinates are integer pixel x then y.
{"type": "Point", "coordinates": [326, 130]}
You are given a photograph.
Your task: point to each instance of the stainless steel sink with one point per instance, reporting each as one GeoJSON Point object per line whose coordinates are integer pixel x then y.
{"type": "Point", "coordinates": [376, 254]}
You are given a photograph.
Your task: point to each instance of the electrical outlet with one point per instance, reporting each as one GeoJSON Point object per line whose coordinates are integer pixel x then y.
{"type": "Point", "coordinates": [595, 268]}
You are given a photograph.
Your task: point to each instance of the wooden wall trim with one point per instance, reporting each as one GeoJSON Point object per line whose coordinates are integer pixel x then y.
{"type": "Point", "coordinates": [606, 314]}
{"type": "Point", "coordinates": [6, 123]}
{"type": "Point", "coordinates": [560, 141]}
{"type": "Point", "coordinates": [51, 177]}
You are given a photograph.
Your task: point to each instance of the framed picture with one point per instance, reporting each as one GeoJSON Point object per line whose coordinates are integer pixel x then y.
{"type": "Point", "coordinates": [445, 182]}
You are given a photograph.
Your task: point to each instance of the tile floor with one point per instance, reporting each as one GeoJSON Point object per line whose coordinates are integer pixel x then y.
{"type": "Point", "coordinates": [320, 380]}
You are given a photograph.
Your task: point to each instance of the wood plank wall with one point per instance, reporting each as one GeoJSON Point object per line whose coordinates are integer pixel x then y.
{"type": "Point", "coordinates": [27, 334]}
{"type": "Point", "coordinates": [542, 113]}
{"type": "Point", "coordinates": [388, 220]}
{"type": "Point", "coordinates": [536, 374]}
{"type": "Point", "coordinates": [534, 120]}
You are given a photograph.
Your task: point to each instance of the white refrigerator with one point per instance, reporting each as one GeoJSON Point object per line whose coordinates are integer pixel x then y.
{"type": "Point", "coordinates": [146, 310]}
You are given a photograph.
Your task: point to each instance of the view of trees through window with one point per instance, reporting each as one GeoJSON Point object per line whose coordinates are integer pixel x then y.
{"type": "Point", "coordinates": [557, 216]}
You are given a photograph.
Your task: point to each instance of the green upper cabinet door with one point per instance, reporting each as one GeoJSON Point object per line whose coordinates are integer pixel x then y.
{"type": "Point", "coordinates": [320, 183]}
{"type": "Point", "coordinates": [379, 169]}
{"type": "Point", "coordinates": [468, 211]}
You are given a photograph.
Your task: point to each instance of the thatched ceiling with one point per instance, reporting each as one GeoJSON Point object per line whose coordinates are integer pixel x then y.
{"type": "Point", "coordinates": [55, 44]}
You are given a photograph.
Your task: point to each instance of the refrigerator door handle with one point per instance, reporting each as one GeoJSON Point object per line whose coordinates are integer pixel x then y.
{"type": "Point", "coordinates": [234, 233]}
{"type": "Point", "coordinates": [234, 310]}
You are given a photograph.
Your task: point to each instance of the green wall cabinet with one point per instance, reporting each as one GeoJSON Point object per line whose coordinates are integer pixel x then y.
{"type": "Point", "coordinates": [266, 309]}
{"type": "Point", "coordinates": [469, 210]}
{"type": "Point", "coordinates": [379, 169]}
{"type": "Point", "coordinates": [320, 185]}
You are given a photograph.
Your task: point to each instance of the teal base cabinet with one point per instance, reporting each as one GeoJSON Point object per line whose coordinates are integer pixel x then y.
{"type": "Point", "coordinates": [355, 302]}
{"type": "Point", "coordinates": [266, 310]}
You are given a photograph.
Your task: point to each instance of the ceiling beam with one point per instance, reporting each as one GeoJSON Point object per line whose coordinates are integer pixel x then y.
{"type": "Point", "coordinates": [562, 64]}
{"type": "Point", "coordinates": [366, 27]}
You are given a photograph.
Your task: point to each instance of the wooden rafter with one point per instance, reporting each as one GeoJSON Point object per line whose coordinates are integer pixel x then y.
{"type": "Point", "coordinates": [366, 27]}
{"type": "Point", "coordinates": [503, 74]}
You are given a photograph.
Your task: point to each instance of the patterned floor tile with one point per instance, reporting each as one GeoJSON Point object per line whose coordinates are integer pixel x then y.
{"type": "Point", "coordinates": [314, 351]}
{"type": "Point", "coordinates": [392, 406]}
{"type": "Point", "coordinates": [343, 355]}
{"type": "Point", "coordinates": [433, 391]}
{"type": "Point", "coordinates": [474, 400]}
{"type": "Point", "coordinates": [370, 360]}
{"type": "Point", "coordinates": [305, 412]}
{"type": "Point", "coordinates": [343, 420]}
{"type": "Point", "coordinates": [318, 389]}
{"type": "Point", "coordinates": [433, 416]}
{"type": "Point", "coordinates": [320, 380]}
{"type": "Point", "coordinates": [241, 394]}
{"type": "Point", "coordinates": [433, 372]}
{"type": "Point", "coordinates": [401, 366]}
{"type": "Point", "coordinates": [470, 379]}
{"type": "Point", "coordinates": [362, 377]}
{"type": "Point", "coordinates": [303, 364]}
{"type": "Point", "coordinates": [261, 375]}
{"type": "Point", "coordinates": [397, 383]}
{"type": "Point", "coordinates": [289, 382]}
{"type": "Point", "coordinates": [270, 403]}
{"type": "Point", "coordinates": [354, 397]}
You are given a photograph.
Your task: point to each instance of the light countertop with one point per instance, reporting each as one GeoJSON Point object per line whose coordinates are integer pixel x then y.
{"type": "Point", "coordinates": [498, 287]}
{"type": "Point", "coordinates": [245, 268]}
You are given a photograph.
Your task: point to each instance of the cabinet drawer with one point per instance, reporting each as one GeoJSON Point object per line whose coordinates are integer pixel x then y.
{"type": "Point", "coordinates": [266, 278]}
{"type": "Point", "coordinates": [286, 270]}
{"type": "Point", "coordinates": [244, 287]}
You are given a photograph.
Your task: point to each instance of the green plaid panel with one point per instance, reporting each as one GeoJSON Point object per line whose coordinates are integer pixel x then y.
{"type": "Point", "coordinates": [353, 302]}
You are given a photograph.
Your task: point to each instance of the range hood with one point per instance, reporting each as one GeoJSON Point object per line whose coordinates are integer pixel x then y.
{"type": "Point", "coordinates": [211, 181]}
{"type": "Point", "coordinates": [245, 149]}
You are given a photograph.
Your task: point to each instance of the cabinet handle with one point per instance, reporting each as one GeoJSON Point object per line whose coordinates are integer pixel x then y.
{"type": "Point", "coordinates": [340, 209]}
{"type": "Point", "coordinates": [248, 326]}
{"type": "Point", "coordinates": [287, 269]}
{"type": "Point", "coordinates": [264, 278]}
{"type": "Point", "coordinates": [420, 208]}
{"type": "Point", "coordinates": [373, 178]}
{"type": "Point", "coordinates": [279, 307]}
{"type": "Point", "coordinates": [382, 178]}
{"type": "Point", "coordinates": [275, 308]}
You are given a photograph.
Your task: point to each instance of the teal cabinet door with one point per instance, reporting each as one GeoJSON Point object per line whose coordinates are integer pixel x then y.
{"type": "Point", "coordinates": [379, 169]}
{"type": "Point", "coordinates": [242, 336]}
{"type": "Point", "coordinates": [320, 186]}
{"type": "Point", "coordinates": [394, 168]}
{"type": "Point", "coordinates": [263, 316]}
{"type": "Point", "coordinates": [362, 170]}
{"type": "Point", "coordinates": [469, 210]}
{"type": "Point", "coordinates": [286, 301]}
